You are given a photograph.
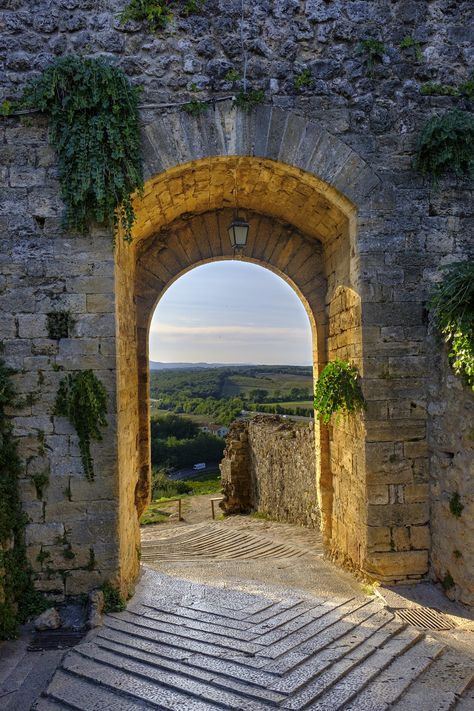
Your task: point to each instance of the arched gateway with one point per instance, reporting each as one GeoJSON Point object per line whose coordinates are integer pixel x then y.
{"type": "Point", "coordinates": [314, 210]}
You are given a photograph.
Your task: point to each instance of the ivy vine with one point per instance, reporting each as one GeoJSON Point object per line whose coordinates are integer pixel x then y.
{"type": "Point", "coordinates": [446, 145]}
{"type": "Point", "coordinates": [337, 391]}
{"type": "Point", "coordinates": [452, 308]}
{"type": "Point", "coordinates": [158, 13]}
{"type": "Point", "coordinates": [94, 128]}
{"type": "Point", "coordinates": [82, 398]}
{"type": "Point", "coordinates": [19, 598]}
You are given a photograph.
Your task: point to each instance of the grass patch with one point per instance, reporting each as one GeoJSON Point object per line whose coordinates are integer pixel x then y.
{"type": "Point", "coordinates": [206, 486]}
{"type": "Point", "coordinates": [154, 514]}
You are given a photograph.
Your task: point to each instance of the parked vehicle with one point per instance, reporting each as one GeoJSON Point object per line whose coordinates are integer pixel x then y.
{"type": "Point", "coordinates": [201, 465]}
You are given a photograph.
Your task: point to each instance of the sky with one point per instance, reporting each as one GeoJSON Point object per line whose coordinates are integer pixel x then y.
{"type": "Point", "coordinates": [230, 312]}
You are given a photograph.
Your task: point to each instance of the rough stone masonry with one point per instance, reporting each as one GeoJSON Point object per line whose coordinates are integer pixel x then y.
{"type": "Point", "coordinates": [329, 165]}
{"type": "Point", "coordinates": [269, 466]}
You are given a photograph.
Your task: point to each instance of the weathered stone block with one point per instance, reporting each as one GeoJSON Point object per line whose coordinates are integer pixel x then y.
{"type": "Point", "coordinates": [398, 514]}
{"type": "Point", "coordinates": [397, 565]}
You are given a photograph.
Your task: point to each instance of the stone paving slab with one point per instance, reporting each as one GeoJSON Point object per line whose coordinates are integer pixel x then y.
{"type": "Point", "coordinates": [347, 653]}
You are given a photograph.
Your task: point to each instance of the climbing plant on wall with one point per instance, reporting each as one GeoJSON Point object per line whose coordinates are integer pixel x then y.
{"type": "Point", "coordinates": [82, 398]}
{"type": "Point", "coordinates": [94, 128]}
{"type": "Point", "coordinates": [18, 598]}
{"type": "Point", "coordinates": [446, 145]}
{"type": "Point", "coordinates": [158, 13]}
{"type": "Point", "coordinates": [452, 307]}
{"type": "Point", "coordinates": [337, 391]}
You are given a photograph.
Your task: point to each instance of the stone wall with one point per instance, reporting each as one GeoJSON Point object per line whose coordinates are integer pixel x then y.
{"type": "Point", "coordinates": [269, 466]}
{"type": "Point", "coordinates": [451, 439]}
{"type": "Point", "coordinates": [362, 133]}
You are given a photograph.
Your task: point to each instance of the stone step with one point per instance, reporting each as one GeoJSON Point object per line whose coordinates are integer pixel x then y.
{"type": "Point", "coordinates": [28, 679]}
{"type": "Point", "coordinates": [201, 672]}
{"type": "Point", "coordinates": [441, 686]}
{"type": "Point", "coordinates": [347, 676]}
{"type": "Point", "coordinates": [82, 694]}
{"type": "Point", "coordinates": [355, 644]}
{"type": "Point", "coordinates": [179, 647]}
{"type": "Point", "coordinates": [390, 684]}
{"type": "Point", "coordinates": [177, 631]}
{"type": "Point", "coordinates": [195, 661]}
{"type": "Point", "coordinates": [328, 615]}
{"type": "Point", "coordinates": [151, 685]}
{"type": "Point", "coordinates": [188, 623]}
{"type": "Point", "coordinates": [194, 614]}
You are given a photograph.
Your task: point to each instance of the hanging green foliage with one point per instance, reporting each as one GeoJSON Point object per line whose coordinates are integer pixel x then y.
{"type": "Point", "coordinates": [83, 400]}
{"type": "Point", "coordinates": [337, 391]}
{"type": "Point", "coordinates": [446, 145]}
{"type": "Point", "coordinates": [19, 598]}
{"type": "Point", "coordinates": [452, 307]}
{"type": "Point", "coordinates": [94, 128]}
{"type": "Point", "coordinates": [158, 13]}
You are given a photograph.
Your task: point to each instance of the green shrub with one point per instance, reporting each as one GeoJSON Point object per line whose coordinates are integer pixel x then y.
{"type": "Point", "coordinates": [446, 145]}
{"type": "Point", "coordinates": [165, 488]}
{"type": "Point", "coordinates": [452, 309]}
{"type": "Point", "coordinates": [338, 391]}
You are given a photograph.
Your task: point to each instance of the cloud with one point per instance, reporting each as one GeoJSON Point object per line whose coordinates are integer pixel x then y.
{"type": "Point", "coordinates": [177, 331]}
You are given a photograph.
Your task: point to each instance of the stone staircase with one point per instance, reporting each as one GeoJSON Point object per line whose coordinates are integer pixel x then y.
{"type": "Point", "coordinates": [192, 647]}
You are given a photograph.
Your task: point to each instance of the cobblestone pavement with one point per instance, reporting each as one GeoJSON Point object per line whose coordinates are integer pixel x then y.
{"type": "Point", "coordinates": [190, 640]}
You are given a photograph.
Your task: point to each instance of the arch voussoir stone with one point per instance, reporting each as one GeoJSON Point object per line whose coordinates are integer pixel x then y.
{"type": "Point", "coordinates": [266, 132]}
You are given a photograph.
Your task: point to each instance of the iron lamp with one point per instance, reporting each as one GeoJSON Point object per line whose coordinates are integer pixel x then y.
{"type": "Point", "coordinates": [238, 232]}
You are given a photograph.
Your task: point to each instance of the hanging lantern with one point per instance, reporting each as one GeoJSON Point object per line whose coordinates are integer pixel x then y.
{"type": "Point", "coordinates": [238, 232]}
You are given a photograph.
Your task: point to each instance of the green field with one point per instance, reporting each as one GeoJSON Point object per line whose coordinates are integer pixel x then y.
{"type": "Point", "coordinates": [198, 419]}
{"type": "Point", "coordinates": [236, 385]}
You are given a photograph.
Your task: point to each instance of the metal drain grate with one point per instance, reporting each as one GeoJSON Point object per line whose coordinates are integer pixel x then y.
{"type": "Point", "coordinates": [425, 618]}
{"type": "Point", "coordinates": [55, 639]}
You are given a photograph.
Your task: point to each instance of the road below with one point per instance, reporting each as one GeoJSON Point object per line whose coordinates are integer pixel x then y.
{"type": "Point", "coordinates": [190, 473]}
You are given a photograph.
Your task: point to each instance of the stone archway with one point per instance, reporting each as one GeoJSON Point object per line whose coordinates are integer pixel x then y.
{"type": "Point", "coordinates": [312, 202]}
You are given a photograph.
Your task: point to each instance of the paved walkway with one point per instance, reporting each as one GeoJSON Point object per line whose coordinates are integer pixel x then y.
{"type": "Point", "coordinates": [269, 624]}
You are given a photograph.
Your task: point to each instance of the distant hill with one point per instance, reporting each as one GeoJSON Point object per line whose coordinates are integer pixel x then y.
{"type": "Point", "coordinates": [154, 365]}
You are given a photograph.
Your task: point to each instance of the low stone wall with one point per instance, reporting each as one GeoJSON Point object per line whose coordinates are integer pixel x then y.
{"type": "Point", "coordinates": [269, 466]}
